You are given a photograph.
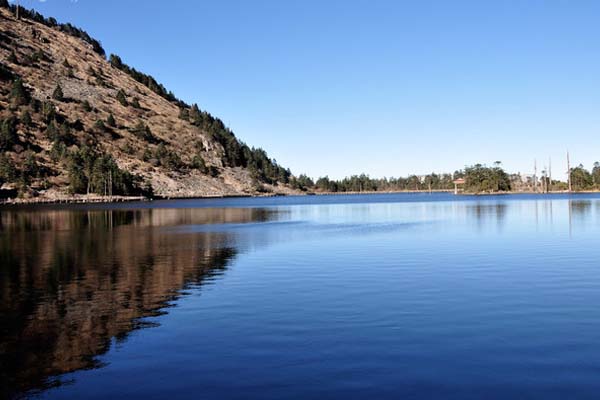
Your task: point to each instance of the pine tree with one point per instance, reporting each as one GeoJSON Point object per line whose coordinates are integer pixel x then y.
{"type": "Point", "coordinates": [18, 94]}
{"type": "Point", "coordinates": [122, 98]}
{"type": "Point", "coordinates": [26, 118]}
{"type": "Point", "coordinates": [110, 121]}
{"type": "Point", "coordinates": [135, 103]}
{"type": "Point", "coordinates": [184, 114]}
{"type": "Point", "coordinates": [8, 133]}
{"type": "Point", "coordinates": [99, 126]}
{"type": "Point", "coordinates": [195, 114]}
{"type": "Point", "coordinates": [52, 132]}
{"type": "Point", "coordinates": [12, 58]}
{"type": "Point", "coordinates": [66, 63]}
{"type": "Point", "coordinates": [58, 93]}
{"type": "Point", "coordinates": [30, 170]}
{"type": "Point", "coordinates": [86, 106]}
{"type": "Point", "coordinates": [8, 173]}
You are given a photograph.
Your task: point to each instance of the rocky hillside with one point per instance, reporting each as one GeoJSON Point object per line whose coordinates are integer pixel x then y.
{"type": "Point", "coordinates": [74, 121]}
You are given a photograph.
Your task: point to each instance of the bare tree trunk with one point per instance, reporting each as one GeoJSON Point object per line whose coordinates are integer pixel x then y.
{"type": "Point", "coordinates": [569, 172]}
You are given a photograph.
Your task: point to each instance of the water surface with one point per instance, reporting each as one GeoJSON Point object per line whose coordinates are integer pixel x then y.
{"type": "Point", "coordinates": [378, 296]}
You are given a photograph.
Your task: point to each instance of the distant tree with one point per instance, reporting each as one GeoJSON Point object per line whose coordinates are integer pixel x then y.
{"type": "Point", "coordinates": [49, 111]}
{"type": "Point", "coordinates": [18, 94]}
{"type": "Point", "coordinates": [66, 63]}
{"type": "Point", "coordinates": [115, 61]}
{"type": "Point", "coordinates": [58, 94]}
{"type": "Point", "coordinates": [194, 114]}
{"type": "Point", "coordinates": [8, 172]}
{"type": "Point", "coordinates": [110, 121]}
{"type": "Point", "coordinates": [199, 164]}
{"type": "Point", "coordinates": [480, 178]}
{"type": "Point", "coordinates": [26, 118]}
{"type": "Point", "coordinates": [52, 132]}
{"type": "Point", "coordinates": [596, 174]}
{"type": "Point", "coordinates": [8, 133]}
{"type": "Point", "coordinates": [12, 58]}
{"type": "Point", "coordinates": [99, 126]}
{"type": "Point", "coordinates": [122, 98]}
{"type": "Point", "coordinates": [581, 179]}
{"type": "Point", "coordinates": [86, 106]}
{"type": "Point", "coordinates": [135, 103]}
{"type": "Point", "coordinates": [143, 132]}
{"type": "Point", "coordinates": [184, 114]}
{"type": "Point", "coordinates": [31, 169]}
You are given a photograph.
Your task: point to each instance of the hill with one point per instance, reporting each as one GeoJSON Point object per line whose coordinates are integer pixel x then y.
{"type": "Point", "coordinates": [74, 121]}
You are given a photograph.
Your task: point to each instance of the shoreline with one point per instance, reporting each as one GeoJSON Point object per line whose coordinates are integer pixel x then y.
{"type": "Point", "coordinates": [84, 199]}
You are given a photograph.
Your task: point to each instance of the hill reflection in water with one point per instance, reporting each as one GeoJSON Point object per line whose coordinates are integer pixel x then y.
{"type": "Point", "coordinates": [71, 281]}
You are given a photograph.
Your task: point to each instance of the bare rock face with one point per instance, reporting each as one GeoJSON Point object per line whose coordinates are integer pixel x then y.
{"type": "Point", "coordinates": [178, 156]}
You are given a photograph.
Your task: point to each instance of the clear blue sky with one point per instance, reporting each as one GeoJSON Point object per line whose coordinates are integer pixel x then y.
{"type": "Point", "coordinates": [382, 87]}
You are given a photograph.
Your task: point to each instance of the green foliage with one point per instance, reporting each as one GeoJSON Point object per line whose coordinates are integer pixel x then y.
{"type": "Point", "coordinates": [93, 172]}
{"type": "Point", "coordinates": [26, 118]}
{"type": "Point", "coordinates": [52, 132]}
{"type": "Point", "coordinates": [167, 158]}
{"type": "Point", "coordinates": [135, 103]}
{"type": "Point", "coordinates": [12, 58]}
{"type": "Point", "coordinates": [99, 126]}
{"type": "Point", "coordinates": [48, 112]}
{"type": "Point", "coordinates": [58, 151]}
{"type": "Point", "coordinates": [144, 79]}
{"type": "Point", "coordinates": [479, 178]}
{"type": "Point", "coordinates": [8, 172]}
{"type": "Point", "coordinates": [86, 106]}
{"type": "Point", "coordinates": [121, 98]}
{"type": "Point", "coordinates": [110, 121]}
{"type": "Point", "coordinates": [58, 94]}
{"type": "Point", "coordinates": [184, 114]}
{"type": "Point", "coordinates": [302, 182]}
{"type": "Point", "coordinates": [143, 132]}
{"type": "Point", "coordinates": [31, 169]}
{"type": "Point", "coordinates": [51, 22]}
{"type": "Point", "coordinates": [8, 133]}
{"type": "Point", "coordinates": [596, 174]}
{"type": "Point", "coordinates": [364, 183]}
{"type": "Point", "coordinates": [199, 164]}
{"type": "Point", "coordinates": [18, 94]}
{"type": "Point", "coordinates": [581, 179]}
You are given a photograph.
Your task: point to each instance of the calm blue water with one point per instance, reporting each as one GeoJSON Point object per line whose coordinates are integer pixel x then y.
{"type": "Point", "coordinates": [324, 297]}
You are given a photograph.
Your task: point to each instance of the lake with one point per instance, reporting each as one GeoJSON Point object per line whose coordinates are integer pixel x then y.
{"type": "Point", "coordinates": [319, 297]}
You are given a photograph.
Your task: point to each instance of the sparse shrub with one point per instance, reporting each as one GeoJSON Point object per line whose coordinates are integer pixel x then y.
{"type": "Point", "coordinates": [12, 58]}
{"type": "Point", "coordinates": [199, 164]}
{"type": "Point", "coordinates": [26, 118]}
{"type": "Point", "coordinates": [18, 94]}
{"type": "Point", "coordinates": [48, 111]}
{"type": "Point", "coordinates": [110, 121]}
{"type": "Point", "coordinates": [143, 132]}
{"type": "Point", "coordinates": [99, 126]}
{"type": "Point", "coordinates": [58, 94]}
{"type": "Point", "coordinates": [135, 103]}
{"type": "Point", "coordinates": [86, 106]}
{"type": "Point", "coordinates": [121, 98]}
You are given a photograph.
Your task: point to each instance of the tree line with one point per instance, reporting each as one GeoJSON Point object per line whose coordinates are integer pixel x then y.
{"type": "Point", "coordinates": [51, 22]}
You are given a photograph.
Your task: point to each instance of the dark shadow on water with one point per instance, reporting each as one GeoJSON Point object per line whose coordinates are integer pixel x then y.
{"type": "Point", "coordinates": [71, 281]}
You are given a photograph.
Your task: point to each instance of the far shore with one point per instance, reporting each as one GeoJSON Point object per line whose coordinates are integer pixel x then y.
{"type": "Point", "coordinates": [95, 199]}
